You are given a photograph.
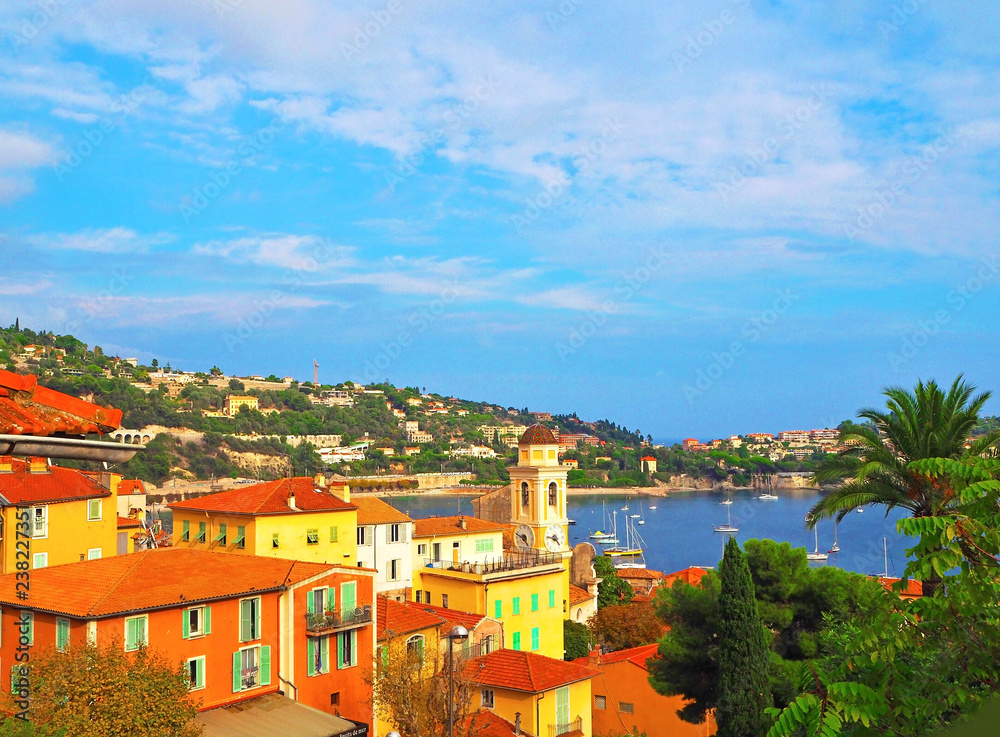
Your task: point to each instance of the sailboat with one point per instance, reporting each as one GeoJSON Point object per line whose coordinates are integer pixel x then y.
{"type": "Point", "coordinates": [836, 547]}
{"type": "Point", "coordinates": [885, 552]}
{"type": "Point", "coordinates": [652, 506]}
{"type": "Point", "coordinates": [612, 538]}
{"type": "Point", "coordinates": [728, 500]}
{"type": "Point", "coordinates": [625, 508]}
{"type": "Point", "coordinates": [767, 495]}
{"type": "Point", "coordinates": [598, 534]}
{"type": "Point", "coordinates": [728, 527]}
{"type": "Point", "coordinates": [642, 518]}
{"type": "Point", "coordinates": [633, 549]}
{"type": "Point", "coordinates": [816, 555]}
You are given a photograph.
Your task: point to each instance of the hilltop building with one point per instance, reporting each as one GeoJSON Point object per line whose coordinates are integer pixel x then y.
{"type": "Point", "coordinates": [234, 403]}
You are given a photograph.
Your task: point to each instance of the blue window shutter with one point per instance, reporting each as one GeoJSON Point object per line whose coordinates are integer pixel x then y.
{"type": "Point", "coordinates": [237, 672]}
{"type": "Point", "coordinates": [207, 626]}
{"type": "Point", "coordinates": [185, 623]}
{"type": "Point", "coordinates": [265, 665]}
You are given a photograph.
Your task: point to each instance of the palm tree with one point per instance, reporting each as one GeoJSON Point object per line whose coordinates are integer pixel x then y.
{"type": "Point", "coordinates": [926, 423]}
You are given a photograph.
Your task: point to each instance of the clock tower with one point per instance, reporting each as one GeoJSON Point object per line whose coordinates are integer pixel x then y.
{"type": "Point", "coordinates": [538, 493]}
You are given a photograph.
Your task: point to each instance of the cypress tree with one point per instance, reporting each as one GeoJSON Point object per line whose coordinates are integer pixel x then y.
{"type": "Point", "coordinates": [744, 690]}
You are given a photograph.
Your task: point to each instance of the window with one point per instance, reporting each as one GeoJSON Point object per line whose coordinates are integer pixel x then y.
{"type": "Point", "coordinates": [62, 634]}
{"type": "Point", "coordinates": [317, 655]}
{"type": "Point", "coordinates": [444, 600]}
{"type": "Point", "coordinates": [552, 598]}
{"type": "Point", "coordinates": [488, 698]}
{"type": "Point", "coordinates": [535, 639]}
{"type": "Point", "coordinates": [312, 537]}
{"type": "Point", "coordinates": [196, 673]}
{"type": "Point", "coordinates": [517, 605]}
{"type": "Point", "coordinates": [534, 602]}
{"type": "Point", "coordinates": [251, 668]}
{"type": "Point", "coordinates": [93, 509]}
{"type": "Point", "coordinates": [135, 632]}
{"type": "Point", "coordinates": [497, 609]}
{"type": "Point", "coordinates": [626, 707]}
{"type": "Point", "coordinates": [93, 553]}
{"type": "Point", "coordinates": [196, 622]}
{"type": "Point", "coordinates": [517, 640]}
{"type": "Point", "coordinates": [524, 494]}
{"type": "Point", "coordinates": [221, 537]}
{"type": "Point", "coordinates": [601, 702]}
{"type": "Point", "coordinates": [394, 569]}
{"type": "Point", "coordinates": [415, 647]}
{"type": "Point", "coordinates": [274, 541]}
{"type": "Point", "coordinates": [334, 534]}
{"type": "Point", "coordinates": [420, 596]}
{"type": "Point", "coordinates": [347, 647]}
{"type": "Point", "coordinates": [335, 698]}
{"type": "Point", "coordinates": [249, 619]}
{"type": "Point", "coordinates": [241, 537]}
{"type": "Point", "coordinates": [186, 530]}
{"type": "Point", "coordinates": [436, 551]}
{"type": "Point", "coordinates": [484, 545]}
{"type": "Point", "coordinates": [202, 532]}
{"type": "Point", "coordinates": [394, 533]}
{"type": "Point", "coordinates": [422, 549]}
{"type": "Point", "coordinates": [40, 522]}
{"type": "Point", "coordinates": [39, 560]}
{"type": "Point", "coordinates": [27, 626]}
{"type": "Point", "coordinates": [361, 535]}
{"type": "Point", "coordinates": [427, 597]}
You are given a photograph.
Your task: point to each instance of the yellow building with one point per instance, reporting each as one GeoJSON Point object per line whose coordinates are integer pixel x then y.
{"type": "Point", "coordinates": [235, 402]}
{"type": "Point", "coordinates": [68, 515]}
{"type": "Point", "coordinates": [295, 519]}
{"type": "Point", "coordinates": [545, 696]}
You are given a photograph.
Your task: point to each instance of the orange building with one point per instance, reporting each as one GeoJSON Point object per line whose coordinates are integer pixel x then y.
{"type": "Point", "coordinates": [245, 626]}
{"type": "Point", "coordinates": [623, 700]}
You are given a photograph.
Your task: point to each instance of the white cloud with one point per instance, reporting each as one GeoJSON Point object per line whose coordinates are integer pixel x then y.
{"type": "Point", "coordinates": [102, 240]}
{"type": "Point", "coordinates": [294, 252]}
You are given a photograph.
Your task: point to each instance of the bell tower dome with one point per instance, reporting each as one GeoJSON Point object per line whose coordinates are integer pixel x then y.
{"type": "Point", "coordinates": [538, 489]}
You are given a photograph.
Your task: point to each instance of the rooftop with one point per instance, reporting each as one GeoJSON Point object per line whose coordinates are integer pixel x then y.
{"type": "Point", "coordinates": [29, 409]}
{"type": "Point", "coordinates": [912, 587]}
{"type": "Point", "coordinates": [690, 575]}
{"type": "Point", "coordinates": [269, 498]}
{"type": "Point", "coordinates": [538, 435]}
{"type": "Point", "coordinates": [635, 655]}
{"type": "Point", "coordinates": [517, 670]}
{"type": "Point", "coordinates": [131, 486]}
{"type": "Point", "coordinates": [449, 617]}
{"type": "Point", "coordinates": [374, 511]}
{"type": "Point", "coordinates": [397, 618]}
{"type": "Point", "coordinates": [641, 573]}
{"type": "Point", "coordinates": [433, 526]}
{"type": "Point", "coordinates": [488, 724]}
{"type": "Point", "coordinates": [153, 579]}
{"type": "Point", "coordinates": [21, 485]}
{"type": "Point", "coordinates": [578, 595]}
{"type": "Point", "coordinates": [125, 522]}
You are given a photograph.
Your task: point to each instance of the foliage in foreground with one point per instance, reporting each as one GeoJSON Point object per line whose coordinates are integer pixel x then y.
{"type": "Point", "coordinates": [621, 626]}
{"type": "Point", "coordinates": [613, 589]}
{"type": "Point", "coordinates": [576, 640]}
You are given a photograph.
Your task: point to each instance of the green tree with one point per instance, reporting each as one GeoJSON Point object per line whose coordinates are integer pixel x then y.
{"type": "Point", "coordinates": [744, 692]}
{"type": "Point", "coordinates": [622, 626]}
{"type": "Point", "coordinates": [925, 423]}
{"type": "Point", "coordinates": [612, 589]}
{"type": "Point", "coordinates": [576, 640]}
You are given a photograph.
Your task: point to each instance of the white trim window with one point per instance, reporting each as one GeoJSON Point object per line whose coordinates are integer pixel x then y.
{"type": "Point", "coordinates": [40, 560]}
{"type": "Point", "coordinates": [39, 522]}
{"type": "Point", "coordinates": [196, 673]}
{"type": "Point", "coordinates": [94, 553]}
{"type": "Point", "coordinates": [93, 510]}
{"type": "Point", "coordinates": [136, 632]}
{"type": "Point", "coordinates": [487, 698]}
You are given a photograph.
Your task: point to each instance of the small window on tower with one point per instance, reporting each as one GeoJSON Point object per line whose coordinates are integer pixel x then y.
{"type": "Point", "coordinates": [553, 494]}
{"type": "Point", "coordinates": [524, 493]}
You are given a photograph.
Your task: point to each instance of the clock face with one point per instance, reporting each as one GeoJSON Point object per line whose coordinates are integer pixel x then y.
{"type": "Point", "coordinates": [524, 537]}
{"type": "Point", "coordinates": [555, 538]}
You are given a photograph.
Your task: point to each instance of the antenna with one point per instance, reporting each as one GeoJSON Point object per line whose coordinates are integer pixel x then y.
{"type": "Point", "coordinates": [315, 374]}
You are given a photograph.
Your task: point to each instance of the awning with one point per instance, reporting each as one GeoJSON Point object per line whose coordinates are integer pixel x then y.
{"type": "Point", "coordinates": [273, 714]}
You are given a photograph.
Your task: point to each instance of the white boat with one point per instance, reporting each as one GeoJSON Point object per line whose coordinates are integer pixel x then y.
{"type": "Point", "coordinates": [728, 527]}
{"type": "Point", "coordinates": [599, 534]}
{"type": "Point", "coordinates": [836, 547]}
{"type": "Point", "coordinates": [652, 506]}
{"type": "Point", "coordinates": [816, 555]}
{"type": "Point", "coordinates": [767, 497]}
{"type": "Point", "coordinates": [642, 519]}
{"type": "Point", "coordinates": [632, 556]}
{"type": "Point", "coordinates": [859, 510]}
{"type": "Point", "coordinates": [728, 500]}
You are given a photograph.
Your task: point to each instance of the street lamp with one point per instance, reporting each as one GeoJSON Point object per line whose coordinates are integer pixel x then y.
{"type": "Point", "coordinates": [458, 634]}
{"type": "Point", "coordinates": [393, 734]}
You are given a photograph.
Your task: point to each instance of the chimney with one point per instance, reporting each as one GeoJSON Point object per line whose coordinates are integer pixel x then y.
{"type": "Point", "coordinates": [517, 722]}
{"type": "Point", "coordinates": [320, 481]}
{"type": "Point", "coordinates": [462, 523]}
{"type": "Point", "coordinates": [291, 501]}
{"type": "Point", "coordinates": [594, 658]}
{"type": "Point", "coordinates": [39, 464]}
{"type": "Point", "coordinates": [6, 464]}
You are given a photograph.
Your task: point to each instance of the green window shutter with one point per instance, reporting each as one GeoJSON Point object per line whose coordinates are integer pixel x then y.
{"type": "Point", "coordinates": [517, 640]}
{"type": "Point", "coordinates": [202, 532]}
{"type": "Point", "coordinates": [256, 629]}
{"type": "Point", "coordinates": [310, 656]}
{"type": "Point", "coordinates": [552, 598]}
{"type": "Point", "coordinates": [185, 623]}
{"type": "Point", "coordinates": [31, 628]}
{"type": "Point", "coordinates": [534, 638]}
{"type": "Point", "coordinates": [562, 705]}
{"type": "Point", "coordinates": [143, 640]}
{"type": "Point", "coordinates": [130, 633]}
{"type": "Point", "coordinates": [13, 677]}
{"type": "Point", "coordinates": [237, 672]}
{"type": "Point", "coordinates": [497, 609]}
{"type": "Point", "coordinates": [333, 534]}
{"type": "Point", "coordinates": [324, 654]}
{"type": "Point", "coordinates": [340, 650]}
{"type": "Point", "coordinates": [331, 599]}
{"type": "Point", "coordinates": [534, 602]}
{"type": "Point", "coordinates": [62, 633]}
{"type": "Point", "coordinates": [265, 665]}
{"type": "Point", "coordinates": [310, 603]}
{"type": "Point", "coordinates": [186, 530]}
{"type": "Point", "coordinates": [244, 620]}
{"type": "Point", "coordinates": [200, 673]}
{"type": "Point", "coordinates": [517, 605]}
{"type": "Point", "coordinates": [241, 535]}
{"type": "Point", "coordinates": [207, 626]}
{"type": "Point", "coordinates": [348, 594]}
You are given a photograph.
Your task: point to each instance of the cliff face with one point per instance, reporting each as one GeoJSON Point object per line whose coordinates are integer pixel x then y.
{"type": "Point", "coordinates": [683, 481]}
{"type": "Point", "coordinates": [256, 464]}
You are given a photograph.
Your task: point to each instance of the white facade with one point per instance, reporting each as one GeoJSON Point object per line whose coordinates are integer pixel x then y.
{"type": "Point", "coordinates": [386, 547]}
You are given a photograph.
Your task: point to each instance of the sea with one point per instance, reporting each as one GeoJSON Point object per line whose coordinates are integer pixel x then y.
{"type": "Point", "coordinates": [680, 533]}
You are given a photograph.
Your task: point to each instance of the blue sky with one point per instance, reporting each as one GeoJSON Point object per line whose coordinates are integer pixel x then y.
{"type": "Point", "coordinates": [720, 217]}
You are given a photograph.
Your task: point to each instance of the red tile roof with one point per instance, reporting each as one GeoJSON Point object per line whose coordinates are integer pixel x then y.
{"type": "Point", "coordinates": [635, 655]}
{"type": "Point", "coordinates": [517, 670]}
{"type": "Point", "coordinates": [397, 618]}
{"type": "Point", "coordinates": [488, 724]}
{"type": "Point", "coordinates": [538, 435]}
{"type": "Point", "coordinates": [55, 484]}
{"type": "Point", "coordinates": [131, 486]}
{"type": "Point", "coordinates": [578, 595]}
{"type": "Point", "coordinates": [153, 579]}
{"type": "Point", "coordinates": [29, 409]}
{"type": "Point", "coordinates": [450, 617]}
{"type": "Point", "coordinates": [688, 575]}
{"type": "Point", "coordinates": [124, 522]}
{"type": "Point", "coordinates": [374, 511]}
{"type": "Point", "coordinates": [912, 588]}
{"type": "Point", "coordinates": [453, 526]}
{"type": "Point", "coordinates": [269, 498]}
{"type": "Point", "coordinates": [640, 574]}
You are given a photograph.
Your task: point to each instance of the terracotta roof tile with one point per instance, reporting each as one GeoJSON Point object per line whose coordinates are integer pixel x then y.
{"type": "Point", "coordinates": [450, 617]}
{"type": "Point", "coordinates": [640, 574]}
{"type": "Point", "coordinates": [517, 670]}
{"type": "Point", "coordinates": [635, 655]}
{"type": "Point", "coordinates": [397, 618]}
{"type": "Point", "coordinates": [131, 486]}
{"type": "Point", "coordinates": [578, 595]}
{"type": "Point", "coordinates": [152, 579]}
{"type": "Point", "coordinates": [538, 435]}
{"type": "Point", "coordinates": [912, 588]}
{"type": "Point", "coordinates": [488, 724]}
{"type": "Point", "coordinates": [124, 522]}
{"type": "Point", "coordinates": [374, 511]}
{"type": "Point", "coordinates": [688, 575]}
{"type": "Point", "coordinates": [29, 409]}
{"type": "Point", "coordinates": [56, 484]}
{"type": "Point", "coordinates": [452, 526]}
{"type": "Point", "coordinates": [269, 498]}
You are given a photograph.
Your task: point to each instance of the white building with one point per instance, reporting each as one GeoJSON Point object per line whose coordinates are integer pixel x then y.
{"type": "Point", "coordinates": [384, 535]}
{"type": "Point", "coordinates": [476, 451]}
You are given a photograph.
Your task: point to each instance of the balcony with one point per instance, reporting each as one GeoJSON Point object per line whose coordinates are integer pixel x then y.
{"type": "Point", "coordinates": [571, 729]}
{"type": "Point", "coordinates": [322, 623]}
{"type": "Point", "coordinates": [510, 561]}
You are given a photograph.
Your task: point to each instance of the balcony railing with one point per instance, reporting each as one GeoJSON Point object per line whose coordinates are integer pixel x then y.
{"type": "Point", "coordinates": [330, 621]}
{"type": "Point", "coordinates": [555, 730]}
{"type": "Point", "coordinates": [510, 561]}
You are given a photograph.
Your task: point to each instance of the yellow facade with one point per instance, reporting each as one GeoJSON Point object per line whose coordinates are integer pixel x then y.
{"type": "Point", "coordinates": [538, 710]}
{"type": "Point", "coordinates": [396, 650]}
{"type": "Point", "coordinates": [321, 537]}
